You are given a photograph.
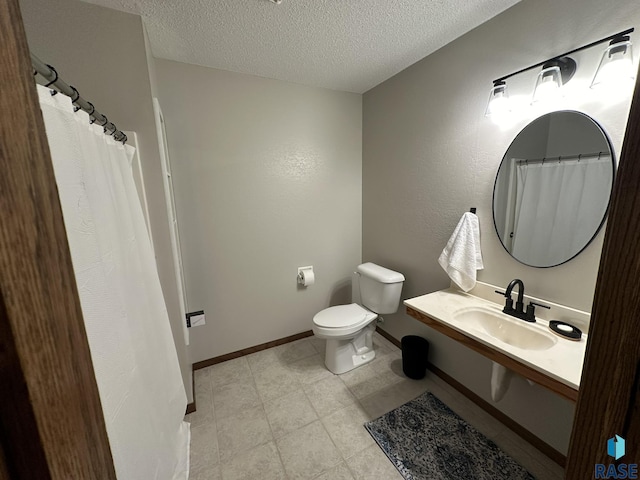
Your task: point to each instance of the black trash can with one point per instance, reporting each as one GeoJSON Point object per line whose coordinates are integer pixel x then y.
{"type": "Point", "coordinates": [414, 356]}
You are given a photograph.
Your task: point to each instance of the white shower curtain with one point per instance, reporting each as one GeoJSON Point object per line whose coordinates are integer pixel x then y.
{"type": "Point", "coordinates": [559, 204]}
{"type": "Point", "coordinates": [134, 358]}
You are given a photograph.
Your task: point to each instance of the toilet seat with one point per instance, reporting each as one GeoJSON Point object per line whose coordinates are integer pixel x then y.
{"type": "Point", "coordinates": [342, 320]}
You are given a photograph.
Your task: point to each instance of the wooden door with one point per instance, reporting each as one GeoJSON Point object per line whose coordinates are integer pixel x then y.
{"type": "Point", "coordinates": [608, 401]}
{"type": "Point", "coordinates": [51, 422]}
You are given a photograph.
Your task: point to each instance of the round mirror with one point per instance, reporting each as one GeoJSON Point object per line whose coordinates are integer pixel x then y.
{"type": "Point", "coordinates": [552, 189]}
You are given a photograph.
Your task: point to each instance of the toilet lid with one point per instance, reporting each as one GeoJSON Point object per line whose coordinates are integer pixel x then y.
{"type": "Point", "coordinates": [341, 316]}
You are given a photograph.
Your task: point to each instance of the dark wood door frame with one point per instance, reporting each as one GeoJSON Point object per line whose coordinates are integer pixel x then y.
{"type": "Point", "coordinates": [608, 401]}
{"type": "Point", "coordinates": [51, 421]}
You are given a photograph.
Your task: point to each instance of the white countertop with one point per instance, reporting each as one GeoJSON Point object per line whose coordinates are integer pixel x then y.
{"type": "Point", "coordinates": [562, 361]}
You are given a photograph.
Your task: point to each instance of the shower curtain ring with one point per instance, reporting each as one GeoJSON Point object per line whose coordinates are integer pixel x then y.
{"type": "Point", "coordinates": [55, 72]}
{"type": "Point", "coordinates": [76, 93]}
{"type": "Point", "coordinates": [75, 98]}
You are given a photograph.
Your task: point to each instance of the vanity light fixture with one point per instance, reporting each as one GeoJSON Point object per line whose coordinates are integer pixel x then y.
{"type": "Point", "coordinates": [554, 74]}
{"type": "Point", "coordinates": [498, 99]}
{"type": "Point", "coordinates": [616, 64]}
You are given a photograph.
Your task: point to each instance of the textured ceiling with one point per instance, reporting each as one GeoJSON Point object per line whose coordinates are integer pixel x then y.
{"type": "Point", "coordinates": [350, 45]}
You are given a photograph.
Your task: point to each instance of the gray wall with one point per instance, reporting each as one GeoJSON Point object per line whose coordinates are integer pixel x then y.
{"type": "Point", "coordinates": [267, 177]}
{"type": "Point", "coordinates": [429, 154]}
{"type": "Point", "coordinates": [102, 53]}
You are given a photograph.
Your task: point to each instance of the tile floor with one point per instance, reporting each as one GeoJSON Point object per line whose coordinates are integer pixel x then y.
{"type": "Point", "coordinates": [280, 414]}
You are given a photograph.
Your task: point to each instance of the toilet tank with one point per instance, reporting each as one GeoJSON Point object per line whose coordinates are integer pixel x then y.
{"type": "Point", "coordinates": [380, 288]}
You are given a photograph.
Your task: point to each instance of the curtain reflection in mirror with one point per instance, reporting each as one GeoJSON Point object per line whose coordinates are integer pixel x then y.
{"type": "Point", "coordinates": [553, 207]}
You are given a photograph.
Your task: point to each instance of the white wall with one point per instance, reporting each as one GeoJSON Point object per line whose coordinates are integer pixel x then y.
{"type": "Point", "coordinates": [102, 53]}
{"type": "Point", "coordinates": [267, 177]}
{"type": "Point", "coordinates": [429, 154]}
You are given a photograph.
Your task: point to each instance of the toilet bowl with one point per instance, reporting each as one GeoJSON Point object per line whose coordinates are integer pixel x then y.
{"type": "Point", "coordinates": [348, 329]}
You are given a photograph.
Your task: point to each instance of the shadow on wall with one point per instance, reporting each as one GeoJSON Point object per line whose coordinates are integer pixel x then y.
{"type": "Point", "coordinates": [341, 293]}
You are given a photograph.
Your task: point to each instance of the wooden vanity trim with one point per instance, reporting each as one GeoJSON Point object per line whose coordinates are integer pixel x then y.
{"type": "Point", "coordinates": [512, 364]}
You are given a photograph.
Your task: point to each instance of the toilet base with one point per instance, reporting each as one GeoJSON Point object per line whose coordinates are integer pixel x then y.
{"type": "Point", "coordinates": [343, 355]}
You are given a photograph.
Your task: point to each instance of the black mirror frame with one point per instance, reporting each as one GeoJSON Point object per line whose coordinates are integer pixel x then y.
{"type": "Point", "coordinates": [606, 213]}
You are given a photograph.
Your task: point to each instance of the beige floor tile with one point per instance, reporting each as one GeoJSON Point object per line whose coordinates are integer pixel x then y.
{"type": "Point", "coordinates": [369, 379]}
{"type": "Point", "coordinates": [234, 398]}
{"type": "Point", "coordinates": [289, 413]}
{"type": "Point", "coordinates": [204, 447]}
{"type": "Point", "coordinates": [392, 397]}
{"type": "Point", "coordinates": [329, 395]}
{"type": "Point", "coordinates": [307, 452]}
{"type": "Point", "coordinates": [233, 433]}
{"type": "Point", "coordinates": [546, 471]}
{"type": "Point", "coordinates": [263, 360]}
{"type": "Point", "coordinates": [389, 364]}
{"type": "Point", "coordinates": [443, 391]}
{"type": "Point", "coordinates": [319, 344]}
{"type": "Point", "coordinates": [341, 472]}
{"type": "Point", "coordinates": [511, 437]}
{"type": "Point", "coordinates": [526, 455]}
{"type": "Point", "coordinates": [372, 464]}
{"type": "Point", "coordinates": [377, 338]}
{"type": "Point", "coordinates": [552, 471]}
{"type": "Point", "coordinates": [209, 473]}
{"type": "Point", "coordinates": [241, 432]}
{"type": "Point", "coordinates": [346, 429]}
{"type": "Point", "coordinates": [476, 416]}
{"type": "Point", "coordinates": [382, 346]}
{"type": "Point", "coordinates": [311, 369]}
{"type": "Point", "coordinates": [201, 378]}
{"type": "Point", "coordinates": [262, 462]}
{"type": "Point", "coordinates": [294, 351]}
{"type": "Point", "coordinates": [204, 411]}
{"type": "Point", "coordinates": [276, 382]}
{"type": "Point", "coordinates": [232, 371]}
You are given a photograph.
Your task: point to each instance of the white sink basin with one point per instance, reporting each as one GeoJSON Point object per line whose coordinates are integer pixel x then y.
{"type": "Point", "coordinates": [531, 345]}
{"type": "Point", "coordinates": [502, 327]}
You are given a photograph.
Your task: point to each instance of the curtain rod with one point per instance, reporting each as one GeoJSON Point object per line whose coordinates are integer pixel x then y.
{"type": "Point", "coordinates": [54, 82]}
{"type": "Point", "coordinates": [560, 158]}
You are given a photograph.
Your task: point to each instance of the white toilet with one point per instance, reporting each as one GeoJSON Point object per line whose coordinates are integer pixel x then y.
{"type": "Point", "coordinates": [348, 329]}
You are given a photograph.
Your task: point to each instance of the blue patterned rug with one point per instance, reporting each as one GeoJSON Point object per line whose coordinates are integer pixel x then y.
{"type": "Point", "coordinates": [425, 440]}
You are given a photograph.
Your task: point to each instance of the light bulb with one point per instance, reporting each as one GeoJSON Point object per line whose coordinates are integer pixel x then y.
{"type": "Point", "coordinates": [498, 100]}
{"type": "Point", "coordinates": [616, 65]}
{"type": "Point", "coordinates": [548, 85]}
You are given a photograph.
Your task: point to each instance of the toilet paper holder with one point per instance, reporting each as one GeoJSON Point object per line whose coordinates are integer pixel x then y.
{"type": "Point", "coordinates": [306, 276]}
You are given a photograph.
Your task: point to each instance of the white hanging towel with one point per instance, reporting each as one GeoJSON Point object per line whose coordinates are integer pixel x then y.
{"type": "Point", "coordinates": [462, 257]}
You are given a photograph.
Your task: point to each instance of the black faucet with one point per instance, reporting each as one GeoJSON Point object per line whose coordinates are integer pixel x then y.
{"type": "Point", "coordinates": [519, 311]}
